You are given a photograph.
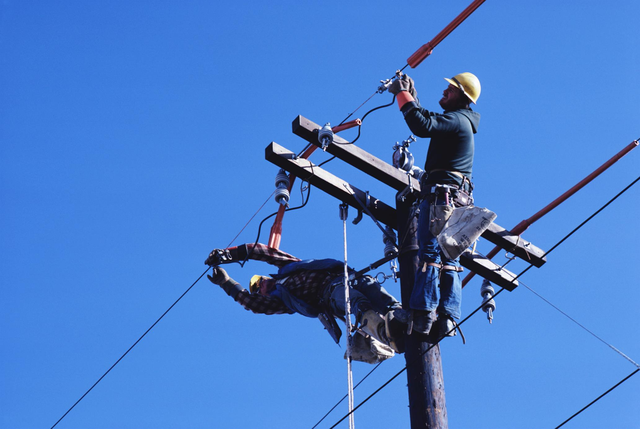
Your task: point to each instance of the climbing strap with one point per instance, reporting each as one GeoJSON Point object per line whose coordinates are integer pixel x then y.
{"type": "Point", "coordinates": [441, 267]}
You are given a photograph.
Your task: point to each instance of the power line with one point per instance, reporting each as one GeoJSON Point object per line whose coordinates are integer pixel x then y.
{"type": "Point", "coordinates": [346, 396]}
{"type": "Point", "coordinates": [169, 309]}
{"type": "Point", "coordinates": [130, 348]}
{"type": "Point", "coordinates": [502, 289]}
{"type": "Point", "coordinates": [599, 397]}
{"type": "Point", "coordinates": [389, 381]}
{"type": "Point", "coordinates": [594, 214]}
{"type": "Point", "coordinates": [419, 356]}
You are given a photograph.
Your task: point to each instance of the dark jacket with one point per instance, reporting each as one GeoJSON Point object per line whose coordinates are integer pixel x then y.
{"type": "Point", "coordinates": [452, 145]}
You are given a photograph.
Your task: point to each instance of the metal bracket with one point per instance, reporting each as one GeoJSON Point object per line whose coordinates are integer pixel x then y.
{"type": "Point", "coordinates": [358, 218]}
{"type": "Point", "coordinates": [408, 190]}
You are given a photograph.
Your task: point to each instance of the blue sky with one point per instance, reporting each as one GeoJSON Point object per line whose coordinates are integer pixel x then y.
{"type": "Point", "coordinates": [133, 138]}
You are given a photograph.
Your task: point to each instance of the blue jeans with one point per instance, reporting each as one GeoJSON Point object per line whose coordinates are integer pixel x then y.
{"type": "Point", "coordinates": [365, 293]}
{"type": "Point", "coordinates": [425, 290]}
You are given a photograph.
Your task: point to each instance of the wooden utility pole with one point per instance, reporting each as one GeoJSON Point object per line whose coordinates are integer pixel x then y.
{"type": "Point", "coordinates": [427, 405]}
{"type": "Point", "coordinates": [425, 382]}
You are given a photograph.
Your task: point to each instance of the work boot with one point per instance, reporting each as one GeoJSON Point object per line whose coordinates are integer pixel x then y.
{"type": "Point", "coordinates": [446, 326]}
{"type": "Point", "coordinates": [400, 314]}
{"type": "Point", "coordinates": [368, 349]}
{"type": "Point", "coordinates": [415, 320]}
{"type": "Point", "coordinates": [395, 329]}
{"type": "Point", "coordinates": [373, 324]}
{"type": "Point", "coordinates": [423, 320]}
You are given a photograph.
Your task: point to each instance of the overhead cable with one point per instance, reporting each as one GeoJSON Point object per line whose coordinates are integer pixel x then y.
{"type": "Point", "coordinates": [500, 291]}
{"type": "Point", "coordinates": [173, 305]}
{"type": "Point", "coordinates": [599, 397]}
{"type": "Point", "coordinates": [131, 348]}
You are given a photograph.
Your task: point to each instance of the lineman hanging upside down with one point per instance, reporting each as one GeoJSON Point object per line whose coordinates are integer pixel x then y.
{"type": "Point", "coordinates": [447, 180]}
{"type": "Point", "coordinates": [314, 288]}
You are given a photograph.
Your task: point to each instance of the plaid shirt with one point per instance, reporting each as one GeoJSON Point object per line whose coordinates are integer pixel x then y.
{"type": "Point", "coordinates": [308, 285]}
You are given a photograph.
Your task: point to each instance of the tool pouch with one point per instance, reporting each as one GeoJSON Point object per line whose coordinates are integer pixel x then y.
{"type": "Point", "coordinates": [463, 227]}
{"type": "Point", "coordinates": [438, 216]}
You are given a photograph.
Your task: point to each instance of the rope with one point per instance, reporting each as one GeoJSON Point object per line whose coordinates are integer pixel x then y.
{"type": "Point", "coordinates": [417, 358]}
{"type": "Point", "coordinates": [498, 293]}
{"type": "Point", "coordinates": [347, 313]}
{"type": "Point", "coordinates": [130, 348]}
{"type": "Point", "coordinates": [345, 396]}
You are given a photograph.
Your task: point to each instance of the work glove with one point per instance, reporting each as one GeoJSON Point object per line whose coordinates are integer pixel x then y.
{"type": "Point", "coordinates": [217, 257]}
{"type": "Point", "coordinates": [219, 276]}
{"type": "Point", "coordinates": [403, 83]}
{"type": "Point", "coordinates": [229, 285]}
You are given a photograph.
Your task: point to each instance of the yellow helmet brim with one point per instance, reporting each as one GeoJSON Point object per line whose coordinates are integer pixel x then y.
{"type": "Point", "coordinates": [254, 283]}
{"type": "Point", "coordinates": [468, 83]}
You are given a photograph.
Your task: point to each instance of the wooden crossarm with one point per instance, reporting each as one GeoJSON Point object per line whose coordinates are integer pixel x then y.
{"type": "Point", "coordinates": [398, 180]}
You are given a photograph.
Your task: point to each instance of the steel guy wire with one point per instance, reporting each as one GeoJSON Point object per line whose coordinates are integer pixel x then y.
{"type": "Point", "coordinates": [495, 295]}
{"type": "Point", "coordinates": [580, 325]}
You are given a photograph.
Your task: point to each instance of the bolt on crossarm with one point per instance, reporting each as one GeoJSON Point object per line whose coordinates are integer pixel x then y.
{"type": "Point", "coordinates": [275, 234]}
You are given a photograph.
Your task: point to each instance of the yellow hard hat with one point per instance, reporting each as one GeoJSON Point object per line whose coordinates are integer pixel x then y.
{"type": "Point", "coordinates": [468, 84]}
{"type": "Point", "coordinates": [254, 283]}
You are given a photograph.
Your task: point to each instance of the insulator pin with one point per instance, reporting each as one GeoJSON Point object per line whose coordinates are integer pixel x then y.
{"type": "Point", "coordinates": [282, 196]}
{"type": "Point", "coordinates": [282, 179]}
{"type": "Point", "coordinates": [325, 136]}
{"type": "Point", "coordinates": [282, 188]}
{"type": "Point", "coordinates": [389, 240]}
{"type": "Point", "coordinates": [488, 304]}
{"type": "Point", "coordinates": [402, 158]}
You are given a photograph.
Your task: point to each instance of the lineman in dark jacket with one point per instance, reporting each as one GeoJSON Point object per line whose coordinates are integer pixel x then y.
{"type": "Point", "coordinates": [448, 170]}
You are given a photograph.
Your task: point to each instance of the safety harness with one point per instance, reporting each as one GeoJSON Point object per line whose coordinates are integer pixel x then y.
{"type": "Point", "coordinates": [457, 195]}
{"type": "Point", "coordinates": [324, 313]}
